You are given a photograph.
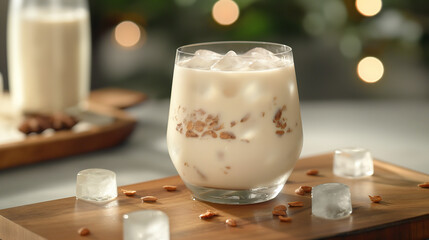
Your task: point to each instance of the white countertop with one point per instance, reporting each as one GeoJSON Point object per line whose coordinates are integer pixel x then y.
{"type": "Point", "coordinates": [394, 131]}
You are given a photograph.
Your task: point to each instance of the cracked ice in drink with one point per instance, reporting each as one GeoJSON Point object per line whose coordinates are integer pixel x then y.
{"type": "Point", "coordinates": [234, 120]}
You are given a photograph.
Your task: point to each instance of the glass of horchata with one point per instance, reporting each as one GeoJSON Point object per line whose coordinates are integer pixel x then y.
{"type": "Point", "coordinates": [234, 127]}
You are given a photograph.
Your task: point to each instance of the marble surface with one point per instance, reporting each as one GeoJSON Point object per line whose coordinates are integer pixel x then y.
{"type": "Point", "coordinates": [394, 131]}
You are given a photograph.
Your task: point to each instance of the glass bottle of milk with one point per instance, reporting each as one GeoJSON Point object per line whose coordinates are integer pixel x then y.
{"type": "Point", "coordinates": [49, 51]}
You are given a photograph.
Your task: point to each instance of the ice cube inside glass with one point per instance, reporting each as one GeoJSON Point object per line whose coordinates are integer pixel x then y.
{"type": "Point", "coordinates": [331, 201]}
{"type": "Point", "coordinates": [353, 163]}
{"type": "Point", "coordinates": [146, 224]}
{"type": "Point", "coordinates": [96, 185]}
{"type": "Point", "coordinates": [234, 128]}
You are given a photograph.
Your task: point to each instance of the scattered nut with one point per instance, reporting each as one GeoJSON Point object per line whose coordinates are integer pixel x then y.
{"type": "Point", "coordinates": [424, 185]}
{"type": "Point", "coordinates": [231, 222]}
{"type": "Point", "coordinates": [226, 135]}
{"type": "Point", "coordinates": [306, 189]}
{"type": "Point", "coordinates": [295, 204]}
{"type": "Point", "coordinates": [245, 118]}
{"type": "Point", "coordinates": [281, 125]}
{"type": "Point", "coordinates": [149, 199]}
{"type": "Point", "coordinates": [190, 126]}
{"type": "Point", "coordinates": [279, 212]}
{"type": "Point", "coordinates": [61, 121]}
{"type": "Point", "coordinates": [208, 214]}
{"type": "Point", "coordinates": [209, 118]}
{"type": "Point", "coordinates": [24, 127]}
{"type": "Point", "coordinates": [31, 125]}
{"type": "Point", "coordinates": [199, 126]}
{"type": "Point", "coordinates": [285, 219]}
{"type": "Point", "coordinates": [312, 172]}
{"type": "Point", "coordinates": [190, 133]}
{"type": "Point", "coordinates": [375, 199]}
{"type": "Point", "coordinates": [170, 188]}
{"type": "Point", "coordinates": [212, 124]}
{"type": "Point", "coordinates": [209, 133]}
{"type": "Point", "coordinates": [300, 191]}
{"type": "Point", "coordinates": [280, 132]}
{"type": "Point", "coordinates": [129, 192]}
{"type": "Point", "coordinates": [218, 127]}
{"type": "Point", "coordinates": [83, 231]}
{"type": "Point", "coordinates": [38, 123]}
{"type": "Point", "coordinates": [280, 207]}
{"type": "Point", "coordinates": [35, 124]}
{"type": "Point", "coordinates": [233, 123]}
{"type": "Point", "coordinates": [280, 122]}
{"type": "Point", "coordinates": [278, 115]}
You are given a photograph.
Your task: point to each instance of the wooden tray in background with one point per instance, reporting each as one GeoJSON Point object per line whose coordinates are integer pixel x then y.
{"type": "Point", "coordinates": [403, 213]}
{"type": "Point", "coordinates": [66, 143]}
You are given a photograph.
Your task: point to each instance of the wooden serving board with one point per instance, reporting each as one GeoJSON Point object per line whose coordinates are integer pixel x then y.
{"type": "Point", "coordinates": [403, 213]}
{"type": "Point", "coordinates": [105, 102]}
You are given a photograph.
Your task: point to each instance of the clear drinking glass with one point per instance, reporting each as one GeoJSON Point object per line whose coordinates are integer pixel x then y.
{"type": "Point", "coordinates": [49, 51]}
{"type": "Point", "coordinates": [234, 127]}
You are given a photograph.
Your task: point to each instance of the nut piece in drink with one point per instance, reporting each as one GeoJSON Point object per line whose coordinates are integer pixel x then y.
{"type": "Point", "coordinates": [234, 128]}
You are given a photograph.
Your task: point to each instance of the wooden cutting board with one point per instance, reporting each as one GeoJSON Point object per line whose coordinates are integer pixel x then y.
{"type": "Point", "coordinates": [105, 102]}
{"type": "Point", "coordinates": [403, 213]}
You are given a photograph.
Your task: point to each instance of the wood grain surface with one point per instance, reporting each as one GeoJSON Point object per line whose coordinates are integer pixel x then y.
{"type": "Point", "coordinates": [403, 213]}
{"type": "Point", "coordinates": [11, 230]}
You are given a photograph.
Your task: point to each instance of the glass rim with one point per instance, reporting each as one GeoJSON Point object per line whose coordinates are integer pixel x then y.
{"type": "Point", "coordinates": [351, 149]}
{"type": "Point", "coordinates": [144, 212]}
{"type": "Point", "coordinates": [331, 184]}
{"type": "Point", "coordinates": [180, 50]}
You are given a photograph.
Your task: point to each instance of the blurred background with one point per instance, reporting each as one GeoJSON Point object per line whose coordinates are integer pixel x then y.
{"type": "Point", "coordinates": [134, 42]}
{"type": "Point", "coordinates": [362, 68]}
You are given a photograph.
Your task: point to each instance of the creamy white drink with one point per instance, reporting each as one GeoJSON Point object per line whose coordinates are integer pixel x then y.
{"type": "Point", "coordinates": [49, 58]}
{"type": "Point", "coordinates": [234, 120]}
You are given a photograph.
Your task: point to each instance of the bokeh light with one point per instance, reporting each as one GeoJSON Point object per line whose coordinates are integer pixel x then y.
{"type": "Point", "coordinates": [225, 12]}
{"type": "Point", "coordinates": [370, 69]}
{"type": "Point", "coordinates": [350, 46]}
{"type": "Point", "coordinates": [368, 8]}
{"type": "Point", "coordinates": [128, 34]}
{"type": "Point", "coordinates": [314, 23]}
{"type": "Point", "coordinates": [394, 24]}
